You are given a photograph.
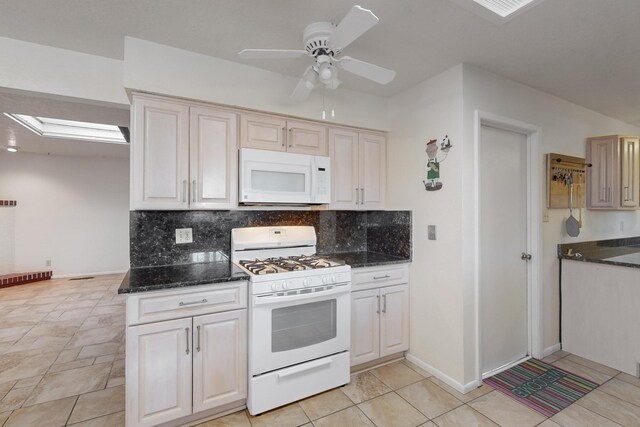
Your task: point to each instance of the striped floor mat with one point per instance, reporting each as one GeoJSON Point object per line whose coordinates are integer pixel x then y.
{"type": "Point", "coordinates": [540, 386]}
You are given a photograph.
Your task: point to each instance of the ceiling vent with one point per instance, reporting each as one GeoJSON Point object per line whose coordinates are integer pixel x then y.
{"type": "Point", "coordinates": [498, 11]}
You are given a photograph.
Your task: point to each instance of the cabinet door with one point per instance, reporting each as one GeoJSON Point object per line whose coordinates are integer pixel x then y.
{"type": "Point", "coordinates": [219, 359]}
{"type": "Point", "coordinates": [365, 326]}
{"type": "Point", "coordinates": [158, 372]}
{"type": "Point", "coordinates": [343, 149]}
{"type": "Point", "coordinates": [159, 154]}
{"type": "Point", "coordinates": [307, 138]}
{"type": "Point", "coordinates": [214, 159]}
{"type": "Point", "coordinates": [262, 132]}
{"type": "Point", "coordinates": [394, 319]}
{"type": "Point", "coordinates": [602, 154]}
{"type": "Point", "coordinates": [373, 170]}
{"type": "Point", "coordinates": [630, 176]}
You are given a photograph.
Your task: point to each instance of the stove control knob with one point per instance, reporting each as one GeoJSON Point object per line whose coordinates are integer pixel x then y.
{"type": "Point", "coordinates": [284, 285]}
{"type": "Point", "coordinates": [274, 287]}
{"type": "Point", "coordinates": [333, 279]}
{"type": "Point", "coordinates": [324, 280]}
{"type": "Point", "coordinates": [305, 283]}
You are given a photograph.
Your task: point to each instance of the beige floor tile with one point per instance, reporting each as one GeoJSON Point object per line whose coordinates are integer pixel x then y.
{"type": "Point", "coordinates": [28, 382]}
{"type": "Point", "coordinates": [237, 419]}
{"type": "Point", "coordinates": [473, 394]}
{"type": "Point", "coordinates": [14, 399]}
{"type": "Point", "coordinates": [350, 417]}
{"type": "Point", "coordinates": [96, 336]}
{"type": "Point", "coordinates": [113, 420]}
{"type": "Point", "coordinates": [40, 343]}
{"type": "Point", "coordinates": [505, 411]}
{"type": "Point", "coordinates": [4, 416]}
{"type": "Point", "coordinates": [428, 398]}
{"type": "Point", "coordinates": [109, 358]}
{"type": "Point", "coordinates": [391, 410]}
{"type": "Point", "coordinates": [108, 309]}
{"type": "Point", "coordinates": [73, 305]}
{"type": "Point", "coordinates": [69, 383]}
{"type": "Point", "coordinates": [325, 403]}
{"type": "Point", "coordinates": [396, 375]}
{"type": "Point", "coordinates": [97, 404]}
{"type": "Point", "coordinates": [577, 416]}
{"type": "Point", "coordinates": [51, 329]}
{"type": "Point", "coordinates": [25, 364]}
{"type": "Point", "coordinates": [464, 416]}
{"type": "Point", "coordinates": [629, 379]}
{"type": "Point", "coordinates": [611, 407]}
{"type": "Point", "coordinates": [549, 423]}
{"type": "Point", "coordinates": [583, 371]}
{"type": "Point", "coordinates": [287, 416]}
{"type": "Point", "coordinates": [13, 334]}
{"type": "Point", "coordinates": [428, 424]}
{"type": "Point", "coordinates": [364, 386]}
{"type": "Point", "coordinates": [622, 390]}
{"type": "Point", "coordinates": [68, 355]}
{"type": "Point", "coordinates": [98, 350]}
{"type": "Point", "coordinates": [5, 387]}
{"type": "Point", "coordinates": [117, 370]}
{"type": "Point", "coordinates": [416, 368]}
{"type": "Point", "coordinates": [593, 365]}
{"type": "Point", "coordinates": [50, 414]}
{"type": "Point", "coordinates": [59, 367]}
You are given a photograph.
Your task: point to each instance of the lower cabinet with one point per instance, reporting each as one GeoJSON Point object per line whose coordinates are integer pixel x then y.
{"type": "Point", "coordinates": [379, 323]}
{"type": "Point", "coordinates": [179, 368]}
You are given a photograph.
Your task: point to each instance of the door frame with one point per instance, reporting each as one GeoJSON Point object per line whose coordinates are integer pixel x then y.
{"type": "Point", "coordinates": [534, 231]}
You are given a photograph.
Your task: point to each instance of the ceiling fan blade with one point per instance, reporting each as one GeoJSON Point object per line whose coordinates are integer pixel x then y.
{"type": "Point", "coordinates": [272, 53]}
{"type": "Point", "coordinates": [306, 84]}
{"type": "Point", "coordinates": [364, 69]}
{"type": "Point", "coordinates": [352, 26]}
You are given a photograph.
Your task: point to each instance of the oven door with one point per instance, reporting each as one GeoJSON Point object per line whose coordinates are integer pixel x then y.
{"type": "Point", "coordinates": [294, 328]}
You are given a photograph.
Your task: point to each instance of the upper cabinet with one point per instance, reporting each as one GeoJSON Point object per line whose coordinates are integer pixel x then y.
{"type": "Point", "coordinates": [274, 133]}
{"type": "Point", "coordinates": [613, 181]}
{"type": "Point", "coordinates": [182, 156]}
{"type": "Point", "coordinates": [358, 162]}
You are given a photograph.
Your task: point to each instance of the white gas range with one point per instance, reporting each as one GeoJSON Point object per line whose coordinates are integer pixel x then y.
{"type": "Point", "coordinates": [299, 315]}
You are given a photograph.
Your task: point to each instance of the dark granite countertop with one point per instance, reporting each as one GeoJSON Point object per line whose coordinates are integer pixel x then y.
{"type": "Point", "coordinates": [142, 279]}
{"type": "Point", "coordinates": [623, 252]}
{"type": "Point", "coordinates": [366, 259]}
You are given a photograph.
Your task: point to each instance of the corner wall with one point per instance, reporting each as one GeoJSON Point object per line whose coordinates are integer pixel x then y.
{"type": "Point", "coordinates": [71, 210]}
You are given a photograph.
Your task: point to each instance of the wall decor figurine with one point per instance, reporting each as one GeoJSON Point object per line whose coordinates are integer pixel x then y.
{"type": "Point", "coordinates": [432, 165]}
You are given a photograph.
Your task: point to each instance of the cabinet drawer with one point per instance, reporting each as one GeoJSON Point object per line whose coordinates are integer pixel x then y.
{"type": "Point", "coordinates": [165, 305]}
{"type": "Point", "coordinates": [376, 277]}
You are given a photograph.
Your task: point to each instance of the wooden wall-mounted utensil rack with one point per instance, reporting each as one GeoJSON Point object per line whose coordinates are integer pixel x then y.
{"type": "Point", "coordinates": [559, 168]}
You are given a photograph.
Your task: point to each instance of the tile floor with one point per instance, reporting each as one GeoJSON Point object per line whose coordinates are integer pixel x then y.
{"type": "Point", "coordinates": [62, 363]}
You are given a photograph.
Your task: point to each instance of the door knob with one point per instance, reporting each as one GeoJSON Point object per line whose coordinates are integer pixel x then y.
{"type": "Point", "coordinates": [525, 256]}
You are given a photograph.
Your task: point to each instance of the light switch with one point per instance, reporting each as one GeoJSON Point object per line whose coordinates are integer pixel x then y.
{"type": "Point", "coordinates": [184, 235]}
{"type": "Point", "coordinates": [432, 232]}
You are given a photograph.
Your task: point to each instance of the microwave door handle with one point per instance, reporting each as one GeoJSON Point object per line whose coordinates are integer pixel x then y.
{"type": "Point", "coordinates": [266, 300]}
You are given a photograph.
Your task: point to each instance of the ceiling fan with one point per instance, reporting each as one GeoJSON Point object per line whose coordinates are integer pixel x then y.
{"type": "Point", "coordinates": [324, 42]}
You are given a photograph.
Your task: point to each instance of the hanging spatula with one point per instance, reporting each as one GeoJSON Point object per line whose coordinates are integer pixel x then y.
{"type": "Point", "coordinates": [572, 224]}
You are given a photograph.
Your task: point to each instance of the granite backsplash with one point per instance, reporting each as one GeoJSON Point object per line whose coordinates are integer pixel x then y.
{"type": "Point", "coordinates": [152, 233]}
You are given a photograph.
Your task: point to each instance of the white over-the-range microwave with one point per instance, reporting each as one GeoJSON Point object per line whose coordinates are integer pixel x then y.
{"type": "Point", "coordinates": [273, 177]}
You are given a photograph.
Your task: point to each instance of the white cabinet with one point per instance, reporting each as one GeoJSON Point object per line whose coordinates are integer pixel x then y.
{"type": "Point", "coordinates": [274, 133]}
{"type": "Point", "coordinates": [613, 181]}
{"type": "Point", "coordinates": [181, 368]}
{"type": "Point", "coordinates": [182, 155]}
{"type": "Point", "coordinates": [379, 313]}
{"type": "Point", "coordinates": [358, 169]}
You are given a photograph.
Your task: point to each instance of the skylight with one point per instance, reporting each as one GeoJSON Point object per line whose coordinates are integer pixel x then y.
{"type": "Point", "coordinates": [69, 129]}
{"type": "Point", "coordinates": [504, 8]}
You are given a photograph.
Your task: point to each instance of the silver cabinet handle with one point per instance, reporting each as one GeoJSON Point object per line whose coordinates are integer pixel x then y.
{"type": "Point", "coordinates": [289, 138]}
{"type": "Point", "coordinates": [609, 198]}
{"type": "Point", "coordinates": [198, 347]}
{"type": "Point", "coordinates": [362, 196]}
{"type": "Point", "coordinates": [357, 197]}
{"type": "Point", "coordinates": [187, 331]}
{"type": "Point", "coordinates": [194, 191]}
{"type": "Point", "coordinates": [284, 136]}
{"type": "Point", "coordinates": [204, 300]}
{"type": "Point", "coordinates": [386, 276]}
{"type": "Point", "coordinates": [384, 301]}
{"type": "Point", "coordinates": [184, 191]}
{"type": "Point", "coordinates": [378, 310]}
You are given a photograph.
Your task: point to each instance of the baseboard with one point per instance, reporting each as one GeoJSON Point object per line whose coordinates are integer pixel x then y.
{"type": "Point", "coordinates": [462, 388]}
{"type": "Point", "coordinates": [98, 273]}
{"type": "Point", "coordinates": [550, 350]}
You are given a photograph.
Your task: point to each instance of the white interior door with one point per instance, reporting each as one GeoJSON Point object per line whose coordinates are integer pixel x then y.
{"type": "Point", "coordinates": [504, 333]}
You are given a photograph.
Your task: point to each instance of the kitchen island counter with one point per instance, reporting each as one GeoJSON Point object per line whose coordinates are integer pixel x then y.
{"type": "Point", "coordinates": [624, 252]}
{"type": "Point", "coordinates": [143, 279]}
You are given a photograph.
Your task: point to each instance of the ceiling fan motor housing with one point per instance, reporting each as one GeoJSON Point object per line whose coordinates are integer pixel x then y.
{"type": "Point", "coordinates": [316, 39]}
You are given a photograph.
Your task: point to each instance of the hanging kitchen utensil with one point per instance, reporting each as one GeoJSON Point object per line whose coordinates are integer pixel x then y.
{"type": "Point", "coordinates": [573, 227]}
{"type": "Point", "coordinates": [580, 184]}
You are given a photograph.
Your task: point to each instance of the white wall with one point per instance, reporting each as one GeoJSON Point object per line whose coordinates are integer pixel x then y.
{"type": "Point", "coordinates": [7, 239]}
{"type": "Point", "coordinates": [167, 70]}
{"type": "Point", "coordinates": [430, 110]}
{"type": "Point", "coordinates": [71, 210]}
{"type": "Point", "coordinates": [564, 128]}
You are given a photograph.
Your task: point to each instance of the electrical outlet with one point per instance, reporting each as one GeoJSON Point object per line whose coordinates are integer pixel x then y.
{"type": "Point", "coordinates": [184, 235]}
{"type": "Point", "coordinates": [48, 263]}
{"type": "Point", "coordinates": [431, 232]}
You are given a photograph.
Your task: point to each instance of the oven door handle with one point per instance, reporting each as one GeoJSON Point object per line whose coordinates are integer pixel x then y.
{"type": "Point", "coordinates": [265, 300]}
{"type": "Point", "coordinates": [306, 367]}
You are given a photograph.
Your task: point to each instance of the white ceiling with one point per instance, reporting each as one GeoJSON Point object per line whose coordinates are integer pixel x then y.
{"type": "Point", "coordinates": [586, 51]}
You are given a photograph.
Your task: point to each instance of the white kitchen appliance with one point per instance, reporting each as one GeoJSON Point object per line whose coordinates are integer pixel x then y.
{"type": "Point", "coordinates": [299, 315]}
{"type": "Point", "coordinates": [274, 177]}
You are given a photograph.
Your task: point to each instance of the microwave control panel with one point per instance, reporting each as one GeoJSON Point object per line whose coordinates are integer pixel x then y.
{"type": "Point", "coordinates": [322, 178]}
